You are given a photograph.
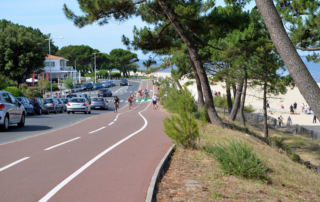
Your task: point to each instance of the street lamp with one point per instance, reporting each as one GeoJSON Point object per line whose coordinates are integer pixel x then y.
{"type": "Point", "coordinates": [95, 66]}
{"type": "Point", "coordinates": [50, 63]}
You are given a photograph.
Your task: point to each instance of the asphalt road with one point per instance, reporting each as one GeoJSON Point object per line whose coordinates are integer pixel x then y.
{"type": "Point", "coordinates": [109, 157]}
{"type": "Point", "coordinates": [39, 124]}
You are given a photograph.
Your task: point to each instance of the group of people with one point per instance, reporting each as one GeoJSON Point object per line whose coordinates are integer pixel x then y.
{"type": "Point", "coordinates": [216, 94]}
{"type": "Point", "coordinates": [280, 121]}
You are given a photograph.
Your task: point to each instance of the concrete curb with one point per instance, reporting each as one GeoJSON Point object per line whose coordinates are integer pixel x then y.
{"type": "Point", "coordinates": [156, 174]}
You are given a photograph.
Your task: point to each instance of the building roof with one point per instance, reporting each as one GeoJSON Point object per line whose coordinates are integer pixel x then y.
{"type": "Point", "coordinates": [53, 57]}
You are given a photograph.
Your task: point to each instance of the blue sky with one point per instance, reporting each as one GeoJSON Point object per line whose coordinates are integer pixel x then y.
{"type": "Point", "coordinates": [47, 15]}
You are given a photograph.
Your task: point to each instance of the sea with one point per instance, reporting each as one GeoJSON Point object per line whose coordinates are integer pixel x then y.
{"type": "Point", "coordinates": [314, 68]}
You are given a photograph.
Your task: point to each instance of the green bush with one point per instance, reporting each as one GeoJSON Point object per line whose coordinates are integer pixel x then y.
{"type": "Point", "coordinates": [175, 99]}
{"type": "Point", "coordinates": [14, 91]}
{"type": "Point", "coordinates": [68, 83]}
{"type": "Point", "coordinates": [32, 92]}
{"type": "Point", "coordinates": [295, 157]}
{"type": "Point", "coordinates": [249, 109]}
{"type": "Point", "coordinates": [115, 74]}
{"type": "Point", "coordinates": [54, 87]}
{"type": "Point", "coordinates": [222, 102]}
{"type": "Point", "coordinates": [238, 159]}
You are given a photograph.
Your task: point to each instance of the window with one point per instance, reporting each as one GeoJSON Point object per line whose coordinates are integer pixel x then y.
{"type": "Point", "coordinates": [6, 98]}
{"type": "Point", "coordinates": [13, 99]}
{"type": "Point", "coordinates": [47, 64]}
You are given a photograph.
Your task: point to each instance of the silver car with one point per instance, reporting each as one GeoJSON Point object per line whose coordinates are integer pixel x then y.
{"type": "Point", "coordinates": [99, 103]}
{"type": "Point", "coordinates": [106, 85]}
{"type": "Point", "coordinates": [11, 111]}
{"type": "Point", "coordinates": [112, 82]}
{"type": "Point", "coordinates": [79, 105]}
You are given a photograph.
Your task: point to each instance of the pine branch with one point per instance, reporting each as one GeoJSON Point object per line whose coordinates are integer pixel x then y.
{"type": "Point", "coordinates": [160, 33]}
{"type": "Point", "coordinates": [307, 49]}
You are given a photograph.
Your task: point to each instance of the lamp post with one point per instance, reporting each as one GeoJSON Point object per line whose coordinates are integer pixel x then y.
{"type": "Point", "coordinates": [50, 63]}
{"type": "Point", "coordinates": [95, 66]}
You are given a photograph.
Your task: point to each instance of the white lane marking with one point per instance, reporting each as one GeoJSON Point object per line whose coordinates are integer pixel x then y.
{"type": "Point", "coordinates": [14, 163]}
{"type": "Point", "coordinates": [115, 120]}
{"type": "Point", "coordinates": [121, 100]}
{"type": "Point", "coordinates": [85, 166]}
{"type": "Point", "coordinates": [110, 123]}
{"type": "Point", "coordinates": [57, 145]}
{"type": "Point", "coordinates": [97, 130]}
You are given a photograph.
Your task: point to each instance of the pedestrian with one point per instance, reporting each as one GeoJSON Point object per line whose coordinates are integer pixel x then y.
{"type": "Point", "coordinates": [129, 101]}
{"type": "Point", "coordinates": [302, 108]}
{"type": "Point", "coordinates": [282, 107]}
{"type": "Point", "coordinates": [154, 101]}
{"type": "Point", "coordinates": [314, 119]}
{"type": "Point", "coordinates": [291, 109]}
{"type": "Point", "coordinates": [219, 94]}
{"type": "Point", "coordinates": [289, 122]}
{"type": "Point", "coordinates": [295, 107]}
{"type": "Point", "coordinates": [281, 119]}
{"type": "Point", "coordinates": [267, 104]}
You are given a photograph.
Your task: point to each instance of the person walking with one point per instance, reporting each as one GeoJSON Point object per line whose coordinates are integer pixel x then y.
{"type": "Point", "coordinates": [302, 108]}
{"type": "Point", "coordinates": [267, 104]}
{"type": "Point", "coordinates": [154, 101]}
{"type": "Point", "coordinates": [314, 119]}
{"type": "Point", "coordinates": [281, 120]}
{"type": "Point", "coordinates": [295, 107]}
{"type": "Point", "coordinates": [130, 102]}
{"type": "Point", "coordinates": [289, 122]}
{"type": "Point", "coordinates": [291, 109]}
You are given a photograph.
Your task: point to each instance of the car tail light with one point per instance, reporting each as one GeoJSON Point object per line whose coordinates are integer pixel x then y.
{"type": "Point", "coordinates": [98, 91]}
{"type": "Point", "coordinates": [84, 104]}
{"type": "Point", "coordinates": [69, 104]}
{"type": "Point", "coordinates": [91, 102]}
{"type": "Point", "coordinates": [35, 100]}
{"type": "Point", "coordinates": [1, 107]}
{"type": "Point", "coordinates": [104, 103]}
{"type": "Point", "coordinates": [53, 104]}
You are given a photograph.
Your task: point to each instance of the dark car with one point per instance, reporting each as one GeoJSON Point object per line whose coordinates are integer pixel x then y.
{"type": "Point", "coordinates": [87, 86]}
{"type": "Point", "coordinates": [61, 102]}
{"type": "Point", "coordinates": [97, 86]}
{"type": "Point", "coordinates": [38, 105]}
{"type": "Point", "coordinates": [99, 103]}
{"type": "Point", "coordinates": [104, 93]}
{"type": "Point", "coordinates": [76, 89]}
{"type": "Point", "coordinates": [53, 105]}
{"type": "Point", "coordinates": [123, 82]}
{"type": "Point", "coordinates": [27, 105]}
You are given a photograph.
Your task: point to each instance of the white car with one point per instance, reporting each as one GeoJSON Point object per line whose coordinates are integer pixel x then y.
{"type": "Point", "coordinates": [106, 84]}
{"type": "Point", "coordinates": [79, 104]}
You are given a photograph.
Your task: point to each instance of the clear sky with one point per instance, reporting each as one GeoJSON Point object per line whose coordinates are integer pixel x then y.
{"type": "Point", "coordinates": [47, 15]}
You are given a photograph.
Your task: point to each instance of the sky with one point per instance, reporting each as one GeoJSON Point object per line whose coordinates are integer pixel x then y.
{"type": "Point", "coordinates": [47, 15]}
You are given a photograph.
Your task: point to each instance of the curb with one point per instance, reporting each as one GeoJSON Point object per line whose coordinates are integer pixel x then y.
{"type": "Point", "coordinates": [156, 174]}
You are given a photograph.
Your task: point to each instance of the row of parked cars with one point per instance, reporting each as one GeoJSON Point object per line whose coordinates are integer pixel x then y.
{"type": "Point", "coordinates": [13, 110]}
{"type": "Point", "coordinates": [91, 87]}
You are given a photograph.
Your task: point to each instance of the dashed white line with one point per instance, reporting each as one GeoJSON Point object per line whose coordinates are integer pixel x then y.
{"type": "Point", "coordinates": [14, 163]}
{"type": "Point", "coordinates": [57, 145]}
{"type": "Point", "coordinates": [110, 123]}
{"type": "Point", "coordinates": [97, 130]}
{"type": "Point", "coordinates": [115, 120]}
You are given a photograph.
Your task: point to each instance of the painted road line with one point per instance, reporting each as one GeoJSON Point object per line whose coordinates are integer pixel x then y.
{"type": "Point", "coordinates": [115, 120]}
{"type": "Point", "coordinates": [14, 163]}
{"type": "Point", "coordinates": [57, 145]}
{"type": "Point", "coordinates": [110, 123]}
{"type": "Point", "coordinates": [85, 166]}
{"type": "Point", "coordinates": [97, 130]}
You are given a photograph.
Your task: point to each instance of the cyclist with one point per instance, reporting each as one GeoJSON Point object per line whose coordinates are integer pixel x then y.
{"type": "Point", "coordinates": [146, 92]}
{"type": "Point", "coordinates": [140, 93]}
{"type": "Point", "coordinates": [116, 101]}
{"type": "Point", "coordinates": [133, 98]}
{"type": "Point", "coordinates": [130, 101]}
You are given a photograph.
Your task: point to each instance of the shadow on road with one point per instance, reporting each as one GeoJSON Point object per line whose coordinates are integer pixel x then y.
{"type": "Point", "coordinates": [27, 128]}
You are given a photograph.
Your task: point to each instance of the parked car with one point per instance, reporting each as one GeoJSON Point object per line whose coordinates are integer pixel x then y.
{"type": "Point", "coordinates": [87, 87]}
{"type": "Point", "coordinates": [87, 96]}
{"type": "Point", "coordinates": [10, 111]}
{"type": "Point", "coordinates": [97, 86]}
{"type": "Point", "coordinates": [99, 103]}
{"type": "Point", "coordinates": [76, 89]}
{"type": "Point", "coordinates": [123, 82]}
{"type": "Point", "coordinates": [104, 93]}
{"type": "Point", "coordinates": [112, 82]}
{"type": "Point", "coordinates": [79, 105]}
{"type": "Point", "coordinates": [106, 85]}
{"type": "Point", "coordinates": [53, 105]}
{"type": "Point", "coordinates": [27, 105]}
{"type": "Point", "coordinates": [61, 102]}
{"type": "Point", "coordinates": [74, 95]}
{"type": "Point", "coordinates": [65, 101]}
{"type": "Point", "coordinates": [39, 105]}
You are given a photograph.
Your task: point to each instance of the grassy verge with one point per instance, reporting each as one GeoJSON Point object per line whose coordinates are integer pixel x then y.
{"type": "Point", "coordinates": [196, 176]}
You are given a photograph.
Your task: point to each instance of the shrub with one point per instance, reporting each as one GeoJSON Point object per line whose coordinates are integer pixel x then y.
{"type": "Point", "coordinates": [295, 157]}
{"type": "Point", "coordinates": [115, 74]}
{"type": "Point", "coordinates": [238, 159]}
{"type": "Point", "coordinates": [68, 83]}
{"type": "Point", "coordinates": [249, 109]}
{"type": "Point", "coordinates": [54, 87]}
{"type": "Point", "coordinates": [14, 91]}
{"type": "Point", "coordinates": [175, 99]}
{"type": "Point", "coordinates": [32, 92]}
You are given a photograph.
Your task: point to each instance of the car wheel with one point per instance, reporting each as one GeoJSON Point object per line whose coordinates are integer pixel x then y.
{"type": "Point", "coordinates": [86, 112]}
{"type": "Point", "coordinates": [40, 111]}
{"type": "Point", "coordinates": [68, 112]}
{"type": "Point", "coordinates": [72, 112]}
{"type": "Point", "coordinates": [22, 121]}
{"type": "Point", "coordinates": [47, 111]}
{"type": "Point", "coordinates": [61, 111]}
{"type": "Point", "coordinates": [55, 111]}
{"type": "Point", "coordinates": [5, 125]}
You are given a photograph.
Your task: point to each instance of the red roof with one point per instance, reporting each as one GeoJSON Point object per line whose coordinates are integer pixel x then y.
{"type": "Point", "coordinates": [53, 57]}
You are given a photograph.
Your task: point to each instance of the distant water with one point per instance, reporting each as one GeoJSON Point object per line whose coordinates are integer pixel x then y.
{"type": "Point", "coordinates": [314, 68]}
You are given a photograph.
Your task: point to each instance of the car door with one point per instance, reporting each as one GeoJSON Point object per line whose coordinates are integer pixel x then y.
{"type": "Point", "coordinates": [17, 111]}
{"type": "Point", "coordinates": [9, 106]}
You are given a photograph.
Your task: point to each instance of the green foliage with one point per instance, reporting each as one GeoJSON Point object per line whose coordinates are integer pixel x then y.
{"type": "Point", "coordinates": [222, 102]}
{"type": "Point", "coordinates": [54, 87]}
{"type": "Point", "coordinates": [3, 82]}
{"type": "Point", "coordinates": [295, 157]}
{"type": "Point", "coordinates": [123, 60]}
{"type": "Point", "coordinates": [32, 92]}
{"type": "Point", "coordinates": [14, 91]}
{"type": "Point", "coordinates": [237, 158]}
{"type": "Point", "coordinates": [115, 74]}
{"type": "Point", "coordinates": [68, 83]}
{"type": "Point", "coordinates": [175, 99]}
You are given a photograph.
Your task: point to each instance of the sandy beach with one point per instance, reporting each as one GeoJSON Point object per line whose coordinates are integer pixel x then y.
{"type": "Point", "coordinates": [254, 95]}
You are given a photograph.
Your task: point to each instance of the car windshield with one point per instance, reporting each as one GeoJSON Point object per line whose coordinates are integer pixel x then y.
{"type": "Point", "coordinates": [71, 96]}
{"type": "Point", "coordinates": [77, 86]}
{"type": "Point", "coordinates": [123, 79]}
{"type": "Point", "coordinates": [19, 98]}
{"type": "Point", "coordinates": [98, 99]}
{"type": "Point", "coordinates": [47, 101]}
{"type": "Point", "coordinates": [77, 100]}
{"type": "Point", "coordinates": [65, 100]}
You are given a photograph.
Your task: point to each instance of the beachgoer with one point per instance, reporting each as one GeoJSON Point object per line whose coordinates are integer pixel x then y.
{"type": "Point", "coordinates": [154, 100]}
{"type": "Point", "coordinates": [291, 109]}
{"type": "Point", "coordinates": [295, 106]}
{"type": "Point", "coordinates": [282, 107]}
{"type": "Point", "coordinates": [314, 119]}
{"type": "Point", "coordinates": [281, 119]}
{"type": "Point", "coordinates": [289, 122]}
{"type": "Point", "coordinates": [302, 108]}
{"type": "Point", "coordinates": [267, 104]}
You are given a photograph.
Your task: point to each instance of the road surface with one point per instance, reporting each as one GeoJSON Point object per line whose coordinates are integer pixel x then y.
{"type": "Point", "coordinates": [109, 157]}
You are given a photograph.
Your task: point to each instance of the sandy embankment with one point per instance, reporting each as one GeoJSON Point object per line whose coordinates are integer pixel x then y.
{"type": "Point", "coordinates": [254, 96]}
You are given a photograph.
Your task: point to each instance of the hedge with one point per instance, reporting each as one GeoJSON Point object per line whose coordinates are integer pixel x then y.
{"type": "Point", "coordinates": [14, 91]}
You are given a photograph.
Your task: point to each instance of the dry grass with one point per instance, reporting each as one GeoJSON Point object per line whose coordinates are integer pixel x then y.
{"type": "Point", "coordinates": [290, 181]}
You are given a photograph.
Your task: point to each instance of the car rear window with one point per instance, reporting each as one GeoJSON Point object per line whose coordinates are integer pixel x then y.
{"type": "Point", "coordinates": [71, 96]}
{"type": "Point", "coordinates": [19, 98]}
{"type": "Point", "coordinates": [98, 99]}
{"type": "Point", "coordinates": [65, 100]}
{"type": "Point", "coordinates": [77, 100]}
{"type": "Point", "coordinates": [48, 101]}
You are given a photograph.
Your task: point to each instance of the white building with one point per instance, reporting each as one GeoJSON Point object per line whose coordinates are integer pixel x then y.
{"type": "Point", "coordinates": [59, 68]}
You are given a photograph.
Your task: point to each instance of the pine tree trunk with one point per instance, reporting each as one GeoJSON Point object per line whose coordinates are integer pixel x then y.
{"type": "Point", "coordinates": [234, 89]}
{"type": "Point", "coordinates": [214, 118]}
{"type": "Point", "coordinates": [229, 99]}
{"type": "Point", "coordinates": [297, 69]}
{"type": "Point", "coordinates": [198, 82]}
{"type": "Point", "coordinates": [243, 99]}
{"type": "Point", "coordinates": [265, 110]}
{"type": "Point", "coordinates": [236, 104]}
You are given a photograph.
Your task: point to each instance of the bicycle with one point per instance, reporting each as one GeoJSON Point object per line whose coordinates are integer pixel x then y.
{"type": "Point", "coordinates": [146, 95]}
{"type": "Point", "coordinates": [130, 104]}
{"type": "Point", "coordinates": [115, 108]}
